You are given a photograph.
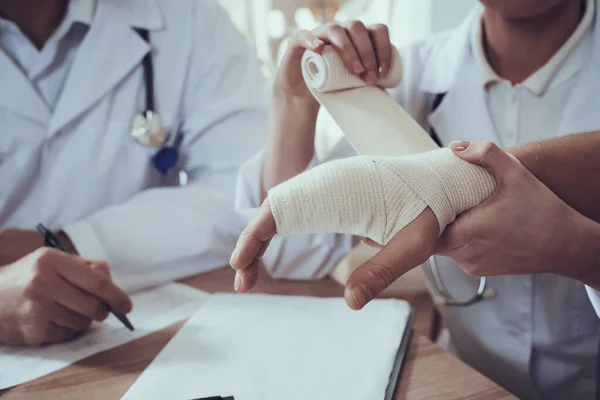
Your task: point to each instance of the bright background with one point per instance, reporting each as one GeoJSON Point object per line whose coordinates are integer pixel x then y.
{"type": "Point", "coordinates": [267, 23]}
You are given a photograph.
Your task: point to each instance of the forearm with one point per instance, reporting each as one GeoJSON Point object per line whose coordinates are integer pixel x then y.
{"type": "Point", "coordinates": [570, 167]}
{"type": "Point", "coordinates": [290, 145]}
{"type": "Point", "coordinates": [160, 235]}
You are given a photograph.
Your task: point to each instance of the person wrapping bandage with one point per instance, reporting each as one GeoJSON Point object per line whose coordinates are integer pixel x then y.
{"type": "Point", "coordinates": [512, 202]}
{"type": "Point", "coordinates": [404, 203]}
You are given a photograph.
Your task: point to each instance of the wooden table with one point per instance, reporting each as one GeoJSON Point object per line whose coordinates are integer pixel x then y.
{"type": "Point", "coordinates": [429, 372]}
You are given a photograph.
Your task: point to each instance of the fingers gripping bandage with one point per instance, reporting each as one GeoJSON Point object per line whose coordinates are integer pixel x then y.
{"type": "Point", "coordinates": [370, 118]}
{"type": "Point", "coordinates": [376, 197]}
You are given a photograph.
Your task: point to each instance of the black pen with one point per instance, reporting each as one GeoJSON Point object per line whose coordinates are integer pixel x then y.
{"type": "Point", "coordinates": [215, 398]}
{"type": "Point", "coordinates": [51, 240]}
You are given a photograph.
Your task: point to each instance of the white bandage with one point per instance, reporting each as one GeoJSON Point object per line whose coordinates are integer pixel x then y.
{"type": "Point", "coordinates": [370, 118]}
{"type": "Point", "coordinates": [376, 197]}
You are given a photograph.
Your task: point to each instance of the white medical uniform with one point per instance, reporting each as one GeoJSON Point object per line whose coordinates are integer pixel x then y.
{"type": "Point", "coordinates": [66, 155]}
{"type": "Point", "coordinates": [540, 336]}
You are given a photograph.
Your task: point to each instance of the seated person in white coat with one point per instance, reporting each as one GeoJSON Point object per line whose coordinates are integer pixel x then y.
{"type": "Point", "coordinates": [72, 79]}
{"type": "Point", "coordinates": [514, 73]}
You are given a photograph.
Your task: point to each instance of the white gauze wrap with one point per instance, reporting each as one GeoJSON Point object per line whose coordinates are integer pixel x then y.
{"type": "Point", "coordinates": [376, 197]}
{"type": "Point", "coordinates": [377, 194]}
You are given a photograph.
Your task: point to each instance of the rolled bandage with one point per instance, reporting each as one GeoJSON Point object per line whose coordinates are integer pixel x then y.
{"type": "Point", "coordinates": [325, 72]}
{"type": "Point", "coordinates": [370, 118]}
{"type": "Point", "coordinates": [376, 197]}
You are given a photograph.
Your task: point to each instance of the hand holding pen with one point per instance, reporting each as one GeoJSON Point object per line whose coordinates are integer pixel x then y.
{"type": "Point", "coordinates": [49, 296]}
{"type": "Point", "coordinates": [102, 282]}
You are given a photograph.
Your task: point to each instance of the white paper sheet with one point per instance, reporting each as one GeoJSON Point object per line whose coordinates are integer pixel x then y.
{"type": "Point", "coordinates": [153, 309]}
{"type": "Point", "coordinates": [261, 347]}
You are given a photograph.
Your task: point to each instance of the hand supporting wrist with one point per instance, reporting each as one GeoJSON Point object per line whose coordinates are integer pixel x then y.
{"type": "Point", "coordinates": [376, 197]}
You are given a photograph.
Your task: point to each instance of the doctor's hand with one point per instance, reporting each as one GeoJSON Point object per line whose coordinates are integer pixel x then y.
{"type": "Point", "coordinates": [365, 50]}
{"type": "Point", "coordinates": [524, 228]}
{"type": "Point", "coordinates": [50, 296]}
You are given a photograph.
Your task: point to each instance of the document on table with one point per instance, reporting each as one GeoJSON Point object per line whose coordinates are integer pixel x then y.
{"type": "Point", "coordinates": [153, 309]}
{"type": "Point", "coordinates": [263, 347]}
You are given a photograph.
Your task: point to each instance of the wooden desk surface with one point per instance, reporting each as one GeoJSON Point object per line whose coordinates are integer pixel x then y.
{"type": "Point", "coordinates": [429, 372]}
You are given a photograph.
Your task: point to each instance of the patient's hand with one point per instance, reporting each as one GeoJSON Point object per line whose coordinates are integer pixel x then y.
{"type": "Point", "coordinates": [406, 250]}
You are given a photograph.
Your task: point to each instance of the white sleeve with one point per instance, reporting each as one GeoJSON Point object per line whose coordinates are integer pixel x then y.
{"type": "Point", "coordinates": [594, 296]}
{"type": "Point", "coordinates": [310, 256]}
{"type": "Point", "coordinates": [169, 233]}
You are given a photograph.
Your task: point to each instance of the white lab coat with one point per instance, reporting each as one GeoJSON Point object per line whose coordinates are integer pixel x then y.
{"type": "Point", "coordinates": [540, 335]}
{"type": "Point", "coordinates": [79, 169]}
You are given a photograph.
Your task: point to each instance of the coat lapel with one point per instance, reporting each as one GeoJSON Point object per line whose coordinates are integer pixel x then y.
{"type": "Point", "coordinates": [463, 113]}
{"type": "Point", "coordinates": [18, 94]}
{"type": "Point", "coordinates": [109, 52]}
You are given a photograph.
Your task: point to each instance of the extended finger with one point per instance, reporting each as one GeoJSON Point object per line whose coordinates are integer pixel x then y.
{"type": "Point", "coordinates": [406, 250]}
{"type": "Point", "coordinates": [245, 279]}
{"type": "Point", "coordinates": [254, 239]}
{"type": "Point", "coordinates": [337, 36]}
{"type": "Point", "coordinates": [359, 35]}
{"type": "Point", "coordinates": [380, 38]}
{"type": "Point", "coordinates": [303, 40]}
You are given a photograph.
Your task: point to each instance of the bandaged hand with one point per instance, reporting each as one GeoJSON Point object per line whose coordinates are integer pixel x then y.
{"type": "Point", "coordinates": [402, 202]}
{"type": "Point", "coordinates": [376, 197]}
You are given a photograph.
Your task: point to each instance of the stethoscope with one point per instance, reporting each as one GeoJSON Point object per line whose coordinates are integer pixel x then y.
{"type": "Point", "coordinates": [148, 129]}
{"type": "Point", "coordinates": [440, 294]}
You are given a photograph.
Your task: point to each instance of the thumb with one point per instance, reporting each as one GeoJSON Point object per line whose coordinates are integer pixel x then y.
{"type": "Point", "coordinates": [302, 41]}
{"type": "Point", "coordinates": [408, 249]}
{"type": "Point", "coordinates": [487, 155]}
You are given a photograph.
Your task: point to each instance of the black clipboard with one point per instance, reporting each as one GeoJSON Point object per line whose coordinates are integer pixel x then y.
{"type": "Point", "coordinates": [390, 391]}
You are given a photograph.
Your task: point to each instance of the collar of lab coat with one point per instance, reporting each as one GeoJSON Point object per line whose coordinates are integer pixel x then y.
{"type": "Point", "coordinates": [93, 73]}
{"type": "Point", "coordinates": [450, 69]}
{"type": "Point", "coordinates": [143, 14]}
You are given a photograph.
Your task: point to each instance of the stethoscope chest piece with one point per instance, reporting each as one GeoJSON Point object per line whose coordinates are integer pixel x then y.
{"type": "Point", "coordinates": [148, 129]}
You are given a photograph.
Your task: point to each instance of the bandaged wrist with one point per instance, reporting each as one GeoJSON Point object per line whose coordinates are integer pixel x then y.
{"type": "Point", "coordinates": [376, 197]}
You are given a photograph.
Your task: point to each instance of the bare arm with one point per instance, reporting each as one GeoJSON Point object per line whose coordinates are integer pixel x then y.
{"type": "Point", "coordinates": [290, 145]}
{"type": "Point", "coordinates": [570, 167]}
